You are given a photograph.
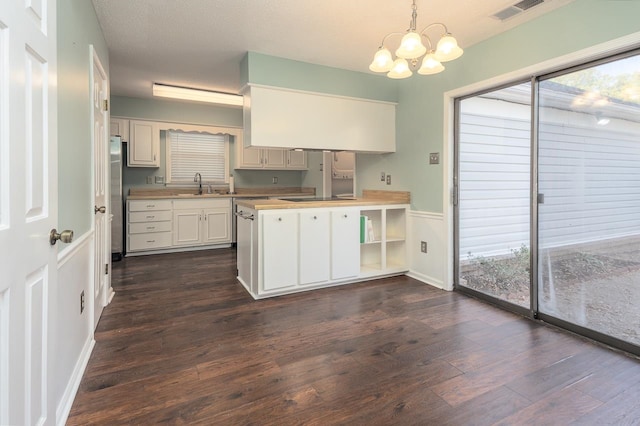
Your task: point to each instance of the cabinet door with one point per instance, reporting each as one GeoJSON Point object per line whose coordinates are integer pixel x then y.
{"type": "Point", "coordinates": [248, 158]}
{"type": "Point", "coordinates": [279, 250]}
{"type": "Point", "coordinates": [144, 144]}
{"type": "Point", "coordinates": [217, 226]}
{"type": "Point", "coordinates": [315, 238]}
{"type": "Point", "coordinates": [274, 158]}
{"type": "Point", "coordinates": [186, 227]}
{"type": "Point", "coordinates": [345, 243]}
{"type": "Point", "coordinates": [297, 160]}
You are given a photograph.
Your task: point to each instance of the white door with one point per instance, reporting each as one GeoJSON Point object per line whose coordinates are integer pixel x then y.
{"type": "Point", "coordinates": [279, 249]}
{"type": "Point", "coordinates": [28, 210]}
{"type": "Point", "coordinates": [314, 246]}
{"type": "Point", "coordinates": [217, 227]}
{"type": "Point", "coordinates": [345, 243]}
{"type": "Point", "coordinates": [186, 227]}
{"type": "Point", "coordinates": [102, 229]}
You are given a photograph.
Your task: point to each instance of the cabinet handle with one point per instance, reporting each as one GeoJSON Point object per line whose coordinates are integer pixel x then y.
{"type": "Point", "coordinates": [345, 216]}
{"type": "Point", "coordinates": [151, 227]}
{"type": "Point", "coordinates": [279, 219]}
{"type": "Point", "coordinates": [150, 206]}
{"type": "Point", "coordinates": [150, 217]}
{"type": "Point", "coordinates": [151, 241]}
{"type": "Point", "coordinates": [315, 217]}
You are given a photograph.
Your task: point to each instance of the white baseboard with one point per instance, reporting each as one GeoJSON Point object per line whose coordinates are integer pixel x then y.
{"type": "Point", "coordinates": [434, 282]}
{"type": "Point", "coordinates": [66, 402]}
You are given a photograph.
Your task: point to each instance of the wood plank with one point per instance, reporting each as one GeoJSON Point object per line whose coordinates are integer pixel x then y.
{"type": "Point", "coordinates": [182, 343]}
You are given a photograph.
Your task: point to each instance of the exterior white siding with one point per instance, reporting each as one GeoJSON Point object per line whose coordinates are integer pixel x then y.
{"type": "Point", "coordinates": [589, 175]}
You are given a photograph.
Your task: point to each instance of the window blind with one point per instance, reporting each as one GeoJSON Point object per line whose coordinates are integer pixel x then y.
{"type": "Point", "coordinates": [193, 153]}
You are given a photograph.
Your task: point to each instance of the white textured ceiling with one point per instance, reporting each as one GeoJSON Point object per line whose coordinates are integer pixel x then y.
{"type": "Point", "coordinates": [199, 43]}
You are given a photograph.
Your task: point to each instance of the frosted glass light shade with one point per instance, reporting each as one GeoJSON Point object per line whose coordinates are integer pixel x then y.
{"type": "Point", "coordinates": [448, 49]}
{"type": "Point", "coordinates": [411, 46]}
{"type": "Point", "coordinates": [400, 69]}
{"type": "Point", "coordinates": [382, 61]}
{"type": "Point", "coordinates": [430, 65]}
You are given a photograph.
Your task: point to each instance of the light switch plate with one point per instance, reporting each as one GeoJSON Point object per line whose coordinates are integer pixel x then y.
{"type": "Point", "coordinates": [149, 179]}
{"type": "Point", "coordinates": [159, 179]}
{"type": "Point", "coordinates": [434, 158]}
{"type": "Point", "coordinates": [382, 177]}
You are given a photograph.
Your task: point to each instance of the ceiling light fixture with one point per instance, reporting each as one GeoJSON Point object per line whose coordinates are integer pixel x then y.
{"type": "Point", "coordinates": [188, 94]}
{"type": "Point", "coordinates": [411, 49]}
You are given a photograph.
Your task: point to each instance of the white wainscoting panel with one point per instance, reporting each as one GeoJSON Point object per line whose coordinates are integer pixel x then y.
{"type": "Point", "coordinates": [73, 329]}
{"type": "Point", "coordinates": [430, 267]}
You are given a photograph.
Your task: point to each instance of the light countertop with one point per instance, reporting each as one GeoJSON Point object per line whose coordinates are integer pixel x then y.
{"type": "Point", "coordinates": [155, 194]}
{"type": "Point", "coordinates": [283, 204]}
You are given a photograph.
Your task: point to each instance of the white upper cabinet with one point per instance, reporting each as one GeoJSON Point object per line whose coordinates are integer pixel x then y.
{"type": "Point", "coordinates": [283, 118]}
{"type": "Point", "coordinates": [274, 159]}
{"type": "Point", "coordinates": [144, 144]}
{"type": "Point", "coordinates": [119, 127]}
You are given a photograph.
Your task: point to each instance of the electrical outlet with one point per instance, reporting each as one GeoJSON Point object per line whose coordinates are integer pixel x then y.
{"type": "Point", "coordinates": [434, 158]}
{"type": "Point", "coordinates": [388, 179]}
{"type": "Point", "coordinates": [275, 179]}
{"type": "Point", "coordinates": [423, 246]}
{"type": "Point", "coordinates": [149, 179]}
{"type": "Point", "coordinates": [159, 179]}
{"type": "Point", "coordinates": [82, 301]}
{"type": "Point", "coordinates": [382, 177]}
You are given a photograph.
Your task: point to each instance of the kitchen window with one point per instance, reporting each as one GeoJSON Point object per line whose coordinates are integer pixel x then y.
{"type": "Point", "coordinates": [189, 153]}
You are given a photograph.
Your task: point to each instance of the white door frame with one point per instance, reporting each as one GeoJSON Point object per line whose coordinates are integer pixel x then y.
{"type": "Point", "coordinates": [100, 177]}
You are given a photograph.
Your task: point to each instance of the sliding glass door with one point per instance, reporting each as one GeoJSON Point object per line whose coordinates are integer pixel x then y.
{"type": "Point", "coordinates": [589, 216]}
{"type": "Point", "coordinates": [493, 181]}
{"type": "Point", "coordinates": [573, 256]}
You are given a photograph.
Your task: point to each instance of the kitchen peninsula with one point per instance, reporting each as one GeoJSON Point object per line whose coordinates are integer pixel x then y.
{"type": "Point", "coordinates": [288, 246]}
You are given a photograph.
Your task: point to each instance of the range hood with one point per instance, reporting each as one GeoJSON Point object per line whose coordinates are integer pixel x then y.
{"type": "Point", "coordinates": [310, 121]}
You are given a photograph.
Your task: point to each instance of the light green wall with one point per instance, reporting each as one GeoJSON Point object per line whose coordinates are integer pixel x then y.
{"type": "Point", "coordinates": [577, 26]}
{"type": "Point", "coordinates": [257, 68]}
{"type": "Point", "coordinates": [78, 28]}
{"type": "Point", "coordinates": [194, 113]}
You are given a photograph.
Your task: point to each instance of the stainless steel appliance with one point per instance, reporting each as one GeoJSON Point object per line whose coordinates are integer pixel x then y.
{"type": "Point", "coordinates": [117, 202]}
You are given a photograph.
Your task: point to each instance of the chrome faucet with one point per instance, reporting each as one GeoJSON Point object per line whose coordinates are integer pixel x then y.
{"type": "Point", "coordinates": [198, 178]}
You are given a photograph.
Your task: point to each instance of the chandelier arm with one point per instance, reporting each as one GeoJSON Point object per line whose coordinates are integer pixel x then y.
{"type": "Point", "coordinates": [387, 36]}
{"type": "Point", "coordinates": [446, 30]}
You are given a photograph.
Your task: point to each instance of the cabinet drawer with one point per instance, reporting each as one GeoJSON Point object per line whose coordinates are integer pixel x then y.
{"type": "Point", "coordinates": [150, 216]}
{"type": "Point", "coordinates": [142, 227]}
{"type": "Point", "coordinates": [147, 205]}
{"type": "Point", "coordinates": [149, 241]}
{"type": "Point", "coordinates": [202, 204]}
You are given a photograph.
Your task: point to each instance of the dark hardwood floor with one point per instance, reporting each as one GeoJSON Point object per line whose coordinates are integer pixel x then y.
{"type": "Point", "coordinates": [183, 343]}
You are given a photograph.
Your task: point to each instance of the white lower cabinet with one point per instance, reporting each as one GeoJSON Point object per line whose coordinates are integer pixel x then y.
{"type": "Point", "coordinates": [345, 243]}
{"type": "Point", "coordinates": [201, 222]}
{"type": "Point", "coordinates": [279, 249]}
{"type": "Point", "coordinates": [289, 250]}
{"type": "Point", "coordinates": [171, 225]}
{"type": "Point", "coordinates": [148, 225]}
{"type": "Point", "coordinates": [314, 246]}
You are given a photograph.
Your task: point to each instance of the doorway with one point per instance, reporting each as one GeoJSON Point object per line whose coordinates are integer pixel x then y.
{"type": "Point", "coordinates": [339, 174]}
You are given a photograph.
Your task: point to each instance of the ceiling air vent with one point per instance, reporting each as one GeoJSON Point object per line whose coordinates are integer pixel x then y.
{"type": "Point", "coordinates": [515, 9]}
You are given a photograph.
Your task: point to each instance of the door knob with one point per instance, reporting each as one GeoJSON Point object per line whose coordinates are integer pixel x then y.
{"type": "Point", "coordinates": [65, 236]}
{"type": "Point", "coordinates": [101, 209]}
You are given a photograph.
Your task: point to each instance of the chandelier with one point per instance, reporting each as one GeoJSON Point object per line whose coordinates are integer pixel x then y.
{"type": "Point", "coordinates": [411, 49]}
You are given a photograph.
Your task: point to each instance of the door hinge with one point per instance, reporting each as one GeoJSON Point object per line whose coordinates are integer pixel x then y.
{"type": "Point", "coordinates": [106, 104]}
{"type": "Point", "coordinates": [106, 269]}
